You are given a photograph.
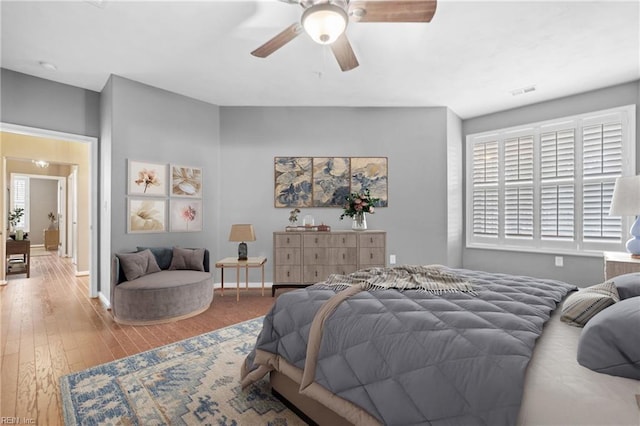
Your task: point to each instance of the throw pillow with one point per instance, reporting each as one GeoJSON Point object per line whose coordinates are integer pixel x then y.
{"type": "Point", "coordinates": [192, 259]}
{"type": "Point", "coordinates": [609, 343]}
{"type": "Point", "coordinates": [135, 265]}
{"type": "Point", "coordinates": [580, 307]}
{"type": "Point", "coordinates": [628, 285]}
{"type": "Point", "coordinates": [162, 254]}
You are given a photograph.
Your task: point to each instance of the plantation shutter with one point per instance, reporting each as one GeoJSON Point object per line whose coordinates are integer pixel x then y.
{"type": "Point", "coordinates": [20, 197]}
{"type": "Point", "coordinates": [602, 163]}
{"type": "Point", "coordinates": [518, 193]}
{"type": "Point", "coordinates": [557, 199]}
{"type": "Point", "coordinates": [485, 189]}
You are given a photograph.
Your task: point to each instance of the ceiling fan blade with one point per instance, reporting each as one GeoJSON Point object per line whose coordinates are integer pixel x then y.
{"type": "Point", "coordinates": [343, 52]}
{"type": "Point", "coordinates": [392, 10]}
{"type": "Point", "coordinates": [284, 37]}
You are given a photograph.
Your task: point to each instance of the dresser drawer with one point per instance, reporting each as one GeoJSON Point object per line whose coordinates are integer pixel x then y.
{"type": "Point", "coordinates": [315, 256]}
{"type": "Point", "coordinates": [287, 274]}
{"type": "Point", "coordinates": [315, 273]}
{"type": "Point", "coordinates": [316, 239]}
{"type": "Point", "coordinates": [342, 269]}
{"type": "Point", "coordinates": [287, 256]}
{"type": "Point", "coordinates": [284, 240]}
{"type": "Point", "coordinates": [371, 256]}
{"type": "Point", "coordinates": [372, 240]}
{"type": "Point", "coordinates": [342, 256]}
{"type": "Point", "coordinates": [343, 240]}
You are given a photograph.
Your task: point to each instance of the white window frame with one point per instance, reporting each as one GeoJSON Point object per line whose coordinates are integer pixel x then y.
{"type": "Point", "coordinates": [536, 244]}
{"type": "Point", "coordinates": [25, 218]}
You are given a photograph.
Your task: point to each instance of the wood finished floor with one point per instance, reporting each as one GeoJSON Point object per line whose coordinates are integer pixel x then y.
{"type": "Point", "coordinates": [49, 327]}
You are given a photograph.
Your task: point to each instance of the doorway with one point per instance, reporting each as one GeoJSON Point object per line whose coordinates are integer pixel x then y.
{"type": "Point", "coordinates": [26, 142]}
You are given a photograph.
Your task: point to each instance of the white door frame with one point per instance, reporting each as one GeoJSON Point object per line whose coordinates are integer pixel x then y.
{"type": "Point", "coordinates": [99, 230]}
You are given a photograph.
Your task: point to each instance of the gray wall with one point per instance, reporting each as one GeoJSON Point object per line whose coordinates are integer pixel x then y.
{"type": "Point", "coordinates": [36, 102]}
{"type": "Point", "coordinates": [415, 140]}
{"type": "Point", "coordinates": [153, 125]}
{"type": "Point", "coordinates": [43, 196]}
{"type": "Point", "coordinates": [580, 270]}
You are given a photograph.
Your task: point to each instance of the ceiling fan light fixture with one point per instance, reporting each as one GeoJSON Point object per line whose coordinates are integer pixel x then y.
{"type": "Point", "coordinates": [324, 22]}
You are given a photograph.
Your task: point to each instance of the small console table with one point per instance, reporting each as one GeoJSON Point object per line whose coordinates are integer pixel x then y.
{"type": "Point", "coordinates": [233, 262]}
{"type": "Point", "coordinates": [19, 247]}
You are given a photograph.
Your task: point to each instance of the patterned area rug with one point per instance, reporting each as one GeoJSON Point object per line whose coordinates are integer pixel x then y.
{"type": "Point", "coordinates": [195, 381]}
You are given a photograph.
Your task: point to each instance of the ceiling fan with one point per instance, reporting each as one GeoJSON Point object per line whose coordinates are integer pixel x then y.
{"type": "Point", "coordinates": [325, 22]}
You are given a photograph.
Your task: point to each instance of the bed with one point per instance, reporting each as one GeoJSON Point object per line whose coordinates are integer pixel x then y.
{"type": "Point", "coordinates": [451, 346]}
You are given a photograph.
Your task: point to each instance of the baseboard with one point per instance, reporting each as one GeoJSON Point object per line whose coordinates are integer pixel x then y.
{"type": "Point", "coordinates": [82, 273]}
{"type": "Point", "coordinates": [4, 282]}
{"type": "Point", "coordinates": [232, 284]}
{"type": "Point", "coordinates": [104, 300]}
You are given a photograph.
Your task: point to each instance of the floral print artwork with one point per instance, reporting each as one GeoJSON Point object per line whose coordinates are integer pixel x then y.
{"type": "Point", "coordinates": [186, 181]}
{"type": "Point", "coordinates": [186, 215]}
{"type": "Point", "coordinates": [293, 182]}
{"type": "Point", "coordinates": [147, 179]}
{"type": "Point", "coordinates": [146, 215]}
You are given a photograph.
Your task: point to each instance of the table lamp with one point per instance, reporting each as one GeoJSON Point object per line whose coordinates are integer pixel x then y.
{"type": "Point", "coordinates": [626, 202]}
{"type": "Point", "coordinates": [242, 233]}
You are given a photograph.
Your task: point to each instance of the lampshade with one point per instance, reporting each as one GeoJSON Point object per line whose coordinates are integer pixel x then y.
{"type": "Point", "coordinates": [242, 232]}
{"type": "Point", "coordinates": [626, 197]}
{"type": "Point", "coordinates": [324, 22]}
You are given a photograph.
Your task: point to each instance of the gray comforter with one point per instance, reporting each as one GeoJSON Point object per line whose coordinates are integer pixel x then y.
{"type": "Point", "coordinates": [414, 357]}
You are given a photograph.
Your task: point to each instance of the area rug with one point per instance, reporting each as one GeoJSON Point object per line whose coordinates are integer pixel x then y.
{"type": "Point", "coordinates": [195, 381]}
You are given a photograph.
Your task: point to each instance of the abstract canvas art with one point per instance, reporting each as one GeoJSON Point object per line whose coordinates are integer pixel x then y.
{"type": "Point", "coordinates": [370, 173]}
{"type": "Point", "coordinates": [330, 181]}
{"type": "Point", "coordinates": [147, 179]}
{"type": "Point", "coordinates": [293, 181]}
{"type": "Point", "coordinates": [146, 215]}
{"type": "Point", "coordinates": [185, 215]}
{"type": "Point", "coordinates": [327, 181]}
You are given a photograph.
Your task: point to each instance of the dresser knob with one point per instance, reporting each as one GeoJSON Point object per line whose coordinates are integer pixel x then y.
{"type": "Point", "coordinates": [316, 273]}
{"type": "Point", "coordinates": [316, 255]}
{"type": "Point", "coordinates": [287, 273]}
{"type": "Point", "coordinates": [370, 255]}
{"type": "Point", "coordinates": [343, 240]}
{"type": "Point", "coordinates": [371, 240]}
{"type": "Point", "coordinates": [343, 256]}
{"type": "Point", "coordinates": [287, 256]}
{"type": "Point", "coordinates": [287, 240]}
{"type": "Point", "coordinates": [316, 241]}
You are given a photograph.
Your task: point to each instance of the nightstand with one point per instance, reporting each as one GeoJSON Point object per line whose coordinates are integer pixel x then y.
{"type": "Point", "coordinates": [618, 263]}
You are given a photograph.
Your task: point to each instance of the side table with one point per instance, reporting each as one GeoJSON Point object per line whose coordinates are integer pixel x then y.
{"type": "Point", "coordinates": [619, 263]}
{"type": "Point", "coordinates": [233, 262]}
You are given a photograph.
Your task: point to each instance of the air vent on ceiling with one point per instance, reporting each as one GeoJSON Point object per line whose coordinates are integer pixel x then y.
{"type": "Point", "coordinates": [523, 90]}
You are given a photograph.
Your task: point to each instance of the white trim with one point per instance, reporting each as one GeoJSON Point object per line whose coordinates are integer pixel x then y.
{"type": "Point", "coordinates": [4, 282]}
{"type": "Point", "coordinates": [231, 285]}
{"type": "Point", "coordinates": [583, 253]}
{"type": "Point", "coordinates": [82, 273]}
{"type": "Point", "coordinates": [95, 230]}
{"type": "Point", "coordinates": [104, 300]}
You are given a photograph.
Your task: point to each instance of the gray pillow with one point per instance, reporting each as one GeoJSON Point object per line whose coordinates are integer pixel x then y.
{"type": "Point", "coordinates": [628, 285]}
{"type": "Point", "coordinates": [580, 307]}
{"type": "Point", "coordinates": [610, 342]}
{"type": "Point", "coordinates": [163, 255]}
{"type": "Point", "coordinates": [192, 259]}
{"type": "Point", "coordinates": [136, 265]}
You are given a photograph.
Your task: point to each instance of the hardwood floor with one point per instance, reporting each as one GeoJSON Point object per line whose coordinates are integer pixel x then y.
{"type": "Point", "coordinates": [49, 327]}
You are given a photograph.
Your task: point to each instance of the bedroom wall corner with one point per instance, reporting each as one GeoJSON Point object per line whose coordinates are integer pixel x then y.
{"type": "Point", "coordinates": [455, 207]}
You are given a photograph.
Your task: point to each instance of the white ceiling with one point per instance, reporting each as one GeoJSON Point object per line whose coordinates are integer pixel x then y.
{"type": "Point", "coordinates": [469, 58]}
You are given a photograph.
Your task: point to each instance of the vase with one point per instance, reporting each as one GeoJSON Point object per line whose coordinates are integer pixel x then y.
{"type": "Point", "coordinates": [359, 222]}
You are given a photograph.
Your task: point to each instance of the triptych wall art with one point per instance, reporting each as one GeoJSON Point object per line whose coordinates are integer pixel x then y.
{"type": "Point", "coordinates": [326, 181]}
{"type": "Point", "coordinates": [153, 188]}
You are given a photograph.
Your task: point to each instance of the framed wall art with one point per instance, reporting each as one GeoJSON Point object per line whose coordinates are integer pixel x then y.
{"type": "Point", "coordinates": [146, 215]}
{"type": "Point", "coordinates": [370, 173]}
{"type": "Point", "coordinates": [330, 181]}
{"type": "Point", "coordinates": [326, 181]}
{"type": "Point", "coordinates": [185, 215]}
{"type": "Point", "coordinates": [149, 179]}
{"type": "Point", "coordinates": [186, 181]}
{"type": "Point", "coordinates": [293, 182]}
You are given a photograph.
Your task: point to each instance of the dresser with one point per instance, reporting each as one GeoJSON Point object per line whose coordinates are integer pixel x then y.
{"type": "Point", "coordinates": [619, 263]}
{"type": "Point", "coordinates": [307, 257]}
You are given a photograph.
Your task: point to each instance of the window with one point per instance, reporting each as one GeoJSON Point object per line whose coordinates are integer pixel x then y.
{"type": "Point", "coordinates": [20, 198]}
{"type": "Point", "coordinates": [547, 186]}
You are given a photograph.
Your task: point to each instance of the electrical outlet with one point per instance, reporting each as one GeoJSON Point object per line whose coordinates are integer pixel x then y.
{"type": "Point", "coordinates": [392, 259]}
{"type": "Point", "coordinates": [559, 261]}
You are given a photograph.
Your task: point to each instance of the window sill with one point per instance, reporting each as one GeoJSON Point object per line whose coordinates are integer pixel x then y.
{"type": "Point", "coordinates": [584, 253]}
